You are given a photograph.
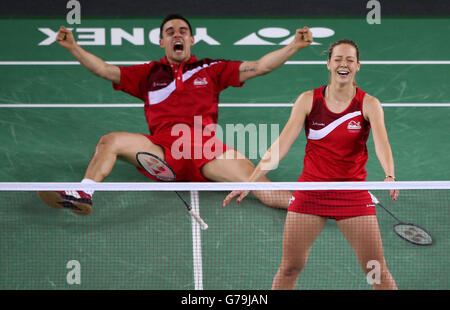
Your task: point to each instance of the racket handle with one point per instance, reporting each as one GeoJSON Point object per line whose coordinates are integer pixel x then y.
{"type": "Point", "coordinates": [199, 220]}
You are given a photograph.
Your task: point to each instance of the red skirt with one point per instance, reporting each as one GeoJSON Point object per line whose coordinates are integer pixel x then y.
{"type": "Point", "coordinates": [338, 204]}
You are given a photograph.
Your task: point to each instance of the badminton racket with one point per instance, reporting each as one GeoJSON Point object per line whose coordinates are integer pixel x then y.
{"type": "Point", "coordinates": [407, 231]}
{"type": "Point", "coordinates": [159, 169]}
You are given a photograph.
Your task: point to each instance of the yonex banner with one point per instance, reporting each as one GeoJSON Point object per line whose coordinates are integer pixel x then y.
{"type": "Point", "coordinates": [231, 38]}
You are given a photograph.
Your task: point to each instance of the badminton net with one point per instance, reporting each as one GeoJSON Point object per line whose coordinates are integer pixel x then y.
{"type": "Point", "coordinates": [140, 236]}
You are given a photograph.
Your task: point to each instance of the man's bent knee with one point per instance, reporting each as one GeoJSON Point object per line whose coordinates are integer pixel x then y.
{"type": "Point", "coordinates": [105, 146]}
{"type": "Point", "coordinates": [109, 141]}
{"type": "Point", "coordinates": [126, 145]}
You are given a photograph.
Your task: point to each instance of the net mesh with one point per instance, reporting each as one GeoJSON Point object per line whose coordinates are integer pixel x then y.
{"type": "Point", "coordinates": [143, 238]}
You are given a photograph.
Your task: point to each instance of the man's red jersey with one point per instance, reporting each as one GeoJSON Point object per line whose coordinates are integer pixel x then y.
{"type": "Point", "coordinates": [175, 94]}
{"type": "Point", "coordinates": [187, 94]}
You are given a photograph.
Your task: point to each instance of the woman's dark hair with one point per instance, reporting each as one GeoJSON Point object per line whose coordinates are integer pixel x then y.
{"type": "Point", "coordinates": [170, 17]}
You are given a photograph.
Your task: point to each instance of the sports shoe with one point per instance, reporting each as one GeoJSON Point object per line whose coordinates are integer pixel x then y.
{"type": "Point", "coordinates": [78, 202]}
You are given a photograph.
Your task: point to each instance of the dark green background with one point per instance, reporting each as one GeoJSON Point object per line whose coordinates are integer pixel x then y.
{"type": "Point", "coordinates": [143, 240]}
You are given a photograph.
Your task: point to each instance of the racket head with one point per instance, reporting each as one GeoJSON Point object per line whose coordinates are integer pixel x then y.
{"type": "Point", "coordinates": [155, 166]}
{"type": "Point", "coordinates": [413, 233]}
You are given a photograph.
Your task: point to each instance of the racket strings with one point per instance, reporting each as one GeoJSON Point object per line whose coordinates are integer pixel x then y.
{"type": "Point", "coordinates": [409, 232]}
{"type": "Point", "coordinates": [159, 169]}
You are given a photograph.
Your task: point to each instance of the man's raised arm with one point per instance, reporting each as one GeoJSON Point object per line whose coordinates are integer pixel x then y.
{"type": "Point", "coordinates": [89, 61]}
{"type": "Point", "coordinates": [273, 60]}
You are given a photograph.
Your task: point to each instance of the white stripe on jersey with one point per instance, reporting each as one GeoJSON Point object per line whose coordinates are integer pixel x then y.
{"type": "Point", "coordinates": [322, 133]}
{"type": "Point", "coordinates": [162, 94]}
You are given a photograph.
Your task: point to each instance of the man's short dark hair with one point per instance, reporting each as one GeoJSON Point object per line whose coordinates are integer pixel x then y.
{"type": "Point", "coordinates": [170, 17]}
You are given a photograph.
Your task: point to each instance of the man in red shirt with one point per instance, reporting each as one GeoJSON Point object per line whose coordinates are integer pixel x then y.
{"type": "Point", "coordinates": [178, 91]}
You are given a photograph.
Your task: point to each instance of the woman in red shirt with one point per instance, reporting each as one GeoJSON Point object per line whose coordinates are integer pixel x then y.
{"type": "Point", "coordinates": [337, 120]}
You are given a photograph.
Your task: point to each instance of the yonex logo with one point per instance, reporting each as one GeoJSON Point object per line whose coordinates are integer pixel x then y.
{"type": "Point", "coordinates": [138, 36]}
{"type": "Point", "coordinates": [281, 36]}
{"type": "Point", "coordinates": [116, 36]}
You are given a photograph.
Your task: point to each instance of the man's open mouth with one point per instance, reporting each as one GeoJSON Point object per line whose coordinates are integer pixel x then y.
{"type": "Point", "coordinates": [178, 46]}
